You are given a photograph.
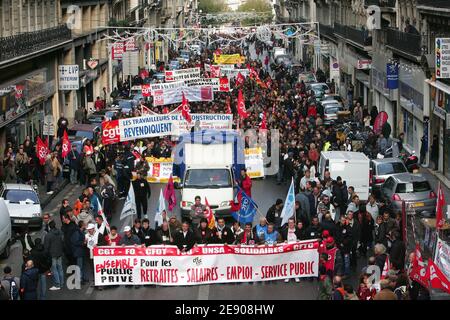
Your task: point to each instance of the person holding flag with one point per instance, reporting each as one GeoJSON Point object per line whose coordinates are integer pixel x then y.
{"type": "Point", "coordinates": [161, 213]}
{"type": "Point", "coordinates": [246, 208]}
{"type": "Point", "coordinates": [209, 215]}
{"type": "Point", "coordinates": [169, 194]}
{"type": "Point", "coordinates": [142, 194]}
{"type": "Point", "coordinates": [242, 112]}
{"type": "Point", "coordinates": [289, 207]}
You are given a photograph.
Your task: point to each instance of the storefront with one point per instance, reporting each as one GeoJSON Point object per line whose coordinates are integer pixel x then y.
{"type": "Point", "coordinates": [24, 102]}
{"type": "Point", "coordinates": [355, 70]}
{"type": "Point", "coordinates": [440, 123]}
{"type": "Point", "coordinates": [383, 98]}
{"type": "Point", "coordinates": [412, 119]}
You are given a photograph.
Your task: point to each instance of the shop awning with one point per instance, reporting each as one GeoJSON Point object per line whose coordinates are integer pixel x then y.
{"type": "Point", "coordinates": [362, 77]}
{"type": "Point", "coordinates": [439, 85]}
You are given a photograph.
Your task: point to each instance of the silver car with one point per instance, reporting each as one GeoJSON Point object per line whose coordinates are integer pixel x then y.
{"type": "Point", "coordinates": [330, 111]}
{"type": "Point", "coordinates": [381, 169]}
{"type": "Point", "coordinates": [413, 189]}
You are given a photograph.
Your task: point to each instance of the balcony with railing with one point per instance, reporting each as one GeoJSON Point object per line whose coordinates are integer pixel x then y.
{"type": "Point", "coordinates": [354, 35]}
{"type": "Point", "coordinates": [30, 42]}
{"type": "Point", "coordinates": [403, 42]}
{"type": "Point", "coordinates": [381, 3]}
{"type": "Point", "coordinates": [327, 31]}
{"type": "Point", "coordinates": [434, 3]}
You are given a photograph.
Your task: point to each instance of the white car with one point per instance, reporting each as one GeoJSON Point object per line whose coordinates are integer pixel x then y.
{"type": "Point", "coordinates": [23, 205]}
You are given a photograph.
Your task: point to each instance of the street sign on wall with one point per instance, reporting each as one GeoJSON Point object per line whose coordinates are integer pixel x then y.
{"type": "Point", "coordinates": [49, 126]}
{"type": "Point", "coordinates": [68, 77]}
{"type": "Point", "coordinates": [442, 58]}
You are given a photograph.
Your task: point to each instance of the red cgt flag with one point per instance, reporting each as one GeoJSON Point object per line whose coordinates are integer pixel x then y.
{"type": "Point", "coordinates": [437, 279]}
{"type": "Point", "coordinates": [263, 122]}
{"type": "Point", "coordinates": [169, 194]}
{"type": "Point", "coordinates": [418, 271]}
{"type": "Point", "coordinates": [228, 106]}
{"type": "Point", "coordinates": [440, 203]}
{"type": "Point", "coordinates": [42, 150]}
{"type": "Point", "coordinates": [65, 145]}
{"type": "Point", "coordinates": [241, 105]}
{"type": "Point", "coordinates": [386, 268]}
{"type": "Point", "coordinates": [210, 216]}
{"type": "Point", "coordinates": [240, 79]}
{"type": "Point", "coordinates": [185, 111]}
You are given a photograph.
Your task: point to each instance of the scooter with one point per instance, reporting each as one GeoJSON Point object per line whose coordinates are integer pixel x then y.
{"type": "Point", "coordinates": [412, 162]}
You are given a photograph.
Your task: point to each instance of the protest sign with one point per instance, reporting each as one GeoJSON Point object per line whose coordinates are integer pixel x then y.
{"type": "Point", "coordinates": [167, 266]}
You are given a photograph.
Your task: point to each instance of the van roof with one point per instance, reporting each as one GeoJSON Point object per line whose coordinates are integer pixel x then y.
{"type": "Point", "coordinates": [344, 155]}
{"type": "Point", "coordinates": [16, 186]}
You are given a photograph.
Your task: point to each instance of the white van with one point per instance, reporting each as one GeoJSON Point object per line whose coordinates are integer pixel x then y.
{"type": "Point", "coordinates": [5, 230]}
{"type": "Point", "coordinates": [352, 167]}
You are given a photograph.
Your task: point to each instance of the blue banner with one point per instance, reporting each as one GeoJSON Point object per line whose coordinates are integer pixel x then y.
{"type": "Point", "coordinates": [248, 208]}
{"type": "Point", "coordinates": [392, 76]}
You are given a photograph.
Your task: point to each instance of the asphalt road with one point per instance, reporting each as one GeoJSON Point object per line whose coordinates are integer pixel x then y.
{"type": "Point", "coordinates": [265, 193]}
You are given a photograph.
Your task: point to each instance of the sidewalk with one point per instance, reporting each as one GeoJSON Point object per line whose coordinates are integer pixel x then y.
{"type": "Point", "coordinates": [434, 178]}
{"type": "Point", "coordinates": [47, 198]}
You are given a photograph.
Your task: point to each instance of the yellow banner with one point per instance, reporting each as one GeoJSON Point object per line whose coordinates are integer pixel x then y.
{"type": "Point", "coordinates": [229, 59]}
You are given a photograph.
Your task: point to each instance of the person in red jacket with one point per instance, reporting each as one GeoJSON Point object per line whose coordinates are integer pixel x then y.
{"type": "Point", "coordinates": [246, 183]}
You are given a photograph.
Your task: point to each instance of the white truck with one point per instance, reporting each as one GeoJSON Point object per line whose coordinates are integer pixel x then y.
{"type": "Point", "coordinates": [207, 163]}
{"type": "Point", "coordinates": [352, 167]}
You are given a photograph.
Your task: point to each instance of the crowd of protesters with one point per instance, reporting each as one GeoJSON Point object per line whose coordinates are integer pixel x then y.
{"type": "Point", "coordinates": [326, 209]}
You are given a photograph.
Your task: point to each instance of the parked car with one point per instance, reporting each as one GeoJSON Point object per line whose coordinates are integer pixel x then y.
{"type": "Point", "coordinates": [125, 105]}
{"type": "Point", "coordinates": [23, 204]}
{"type": "Point", "coordinates": [381, 169]}
{"type": "Point", "coordinates": [333, 96]}
{"type": "Point", "coordinates": [413, 189]}
{"type": "Point", "coordinates": [98, 117]}
{"type": "Point", "coordinates": [307, 77]}
{"type": "Point", "coordinates": [78, 133]}
{"type": "Point", "coordinates": [5, 230]}
{"type": "Point", "coordinates": [330, 111]}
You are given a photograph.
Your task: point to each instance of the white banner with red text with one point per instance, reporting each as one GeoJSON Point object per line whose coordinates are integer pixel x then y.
{"type": "Point", "coordinates": [222, 84]}
{"type": "Point", "coordinates": [175, 95]}
{"type": "Point", "coordinates": [182, 74]}
{"type": "Point", "coordinates": [204, 264]}
{"type": "Point", "coordinates": [149, 126]}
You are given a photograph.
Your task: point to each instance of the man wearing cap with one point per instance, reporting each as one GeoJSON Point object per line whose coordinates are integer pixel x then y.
{"type": "Point", "coordinates": [185, 238]}
{"type": "Point", "coordinates": [274, 214]}
{"type": "Point", "coordinates": [91, 239]}
{"type": "Point", "coordinates": [142, 193]}
{"type": "Point", "coordinates": [203, 234]}
{"type": "Point", "coordinates": [128, 238]}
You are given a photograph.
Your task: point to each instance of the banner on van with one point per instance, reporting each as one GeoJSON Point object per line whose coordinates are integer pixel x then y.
{"type": "Point", "coordinates": [175, 95]}
{"type": "Point", "coordinates": [148, 126]}
{"type": "Point", "coordinates": [182, 74]}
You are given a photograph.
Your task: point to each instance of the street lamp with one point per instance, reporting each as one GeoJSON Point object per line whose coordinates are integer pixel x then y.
{"type": "Point", "coordinates": [254, 16]}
